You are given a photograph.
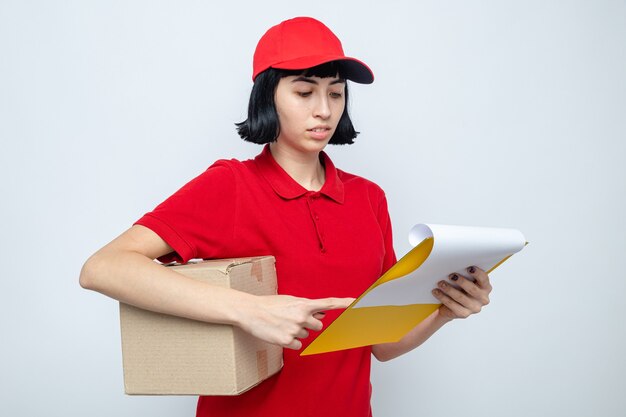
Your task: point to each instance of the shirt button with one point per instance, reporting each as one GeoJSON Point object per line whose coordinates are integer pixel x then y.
{"type": "Point", "coordinates": [323, 250]}
{"type": "Point", "coordinates": [316, 217]}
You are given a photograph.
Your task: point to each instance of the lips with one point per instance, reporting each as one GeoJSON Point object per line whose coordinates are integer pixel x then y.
{"type": "Point", "coordinates": [319, 132]}
{"type": "Point", "coordinates": [319, 129]}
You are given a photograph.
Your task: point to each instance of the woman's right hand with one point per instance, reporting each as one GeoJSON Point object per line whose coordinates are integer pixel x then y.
{"type": "Point", "coordinates": [124, 270]}
{"type": "Point", "coordinates": [283, 319]}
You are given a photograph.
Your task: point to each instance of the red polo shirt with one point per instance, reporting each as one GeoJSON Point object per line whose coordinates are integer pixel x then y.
{"type": "Point", "coordinates": [331, 243]}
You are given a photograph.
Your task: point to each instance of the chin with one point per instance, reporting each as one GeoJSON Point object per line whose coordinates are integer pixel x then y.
{"type": "Point", "coordinates": [316, 146]}
{"type": "Point", "coordinates": [304, 145]}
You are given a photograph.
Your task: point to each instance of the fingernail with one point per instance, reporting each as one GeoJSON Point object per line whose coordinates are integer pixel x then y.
{"type": "Point", "coordinates": [471, 269]}
{"type": "Point", "coordinates": [442, 284]}
{"type": "Point", "coordinates": [435, 291]}
{"type": "Point", "coordinates": [454, 277]}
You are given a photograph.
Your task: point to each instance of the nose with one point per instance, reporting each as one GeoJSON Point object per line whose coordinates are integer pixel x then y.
{"type": "Point", "coordinates": [322, 108]}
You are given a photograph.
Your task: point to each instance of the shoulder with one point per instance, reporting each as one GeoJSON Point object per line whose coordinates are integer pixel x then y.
{"type": "Point", "coordinates": [221, 176]}
{"type": "Point", "coordinates": [234, 166]}
{"type": "Point", "coordinates": [227, 174]}
{"type": "Point", "coordinates": [360, 184]}
{"type": "Point", "coordinates": [225, 165]}
{"type": "Point", "coordinates": [225, 170]}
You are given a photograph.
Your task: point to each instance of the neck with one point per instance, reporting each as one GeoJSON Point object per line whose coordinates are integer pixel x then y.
{"type": "Point", "coordinates": [305, 169]}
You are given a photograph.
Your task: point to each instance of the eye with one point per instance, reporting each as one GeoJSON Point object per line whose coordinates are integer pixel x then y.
{"type": "Point", "coordinates": [303, 93]}
{"type": "Point", "coordinates": [336, 95]}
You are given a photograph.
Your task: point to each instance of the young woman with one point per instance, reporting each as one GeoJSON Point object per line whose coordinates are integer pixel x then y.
{"type": "Point", "coordinates": [328, 230]}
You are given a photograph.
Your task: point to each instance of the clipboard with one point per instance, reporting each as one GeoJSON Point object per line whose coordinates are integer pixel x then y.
{"type": "Point", "coordinates": [401, 298]}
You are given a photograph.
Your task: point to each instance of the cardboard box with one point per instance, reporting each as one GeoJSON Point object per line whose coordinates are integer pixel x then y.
{"type": "Point", "coordinates": [167, 355]}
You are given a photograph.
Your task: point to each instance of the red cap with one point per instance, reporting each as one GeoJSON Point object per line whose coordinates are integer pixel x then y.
{"type": "Point", "coordinates": [302, 43]}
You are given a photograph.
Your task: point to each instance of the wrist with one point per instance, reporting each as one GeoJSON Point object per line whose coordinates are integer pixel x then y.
{"type": "Point", "coordinates": [238, 311]}
{"type": "Point", "coordinates": [440, 318]}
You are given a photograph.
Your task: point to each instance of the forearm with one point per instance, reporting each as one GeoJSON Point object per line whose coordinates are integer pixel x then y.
{"type": "Point", "coordinates": [418, 335]}
{"type": "Point", "coordinates": [135, 279]}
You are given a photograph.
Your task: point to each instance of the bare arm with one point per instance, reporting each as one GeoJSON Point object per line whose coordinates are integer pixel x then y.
{"type": "Point", "coordinates": [471, 296]}
{"type": "Point", "coordinates": [124, 269]}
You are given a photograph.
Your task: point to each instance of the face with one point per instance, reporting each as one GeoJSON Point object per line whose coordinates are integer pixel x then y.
{"type": "Point", "coordinates": [309, 109]}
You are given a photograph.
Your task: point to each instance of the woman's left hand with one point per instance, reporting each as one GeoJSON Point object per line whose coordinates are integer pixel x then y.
{"type": "Point", "coordinates": [463, 296]}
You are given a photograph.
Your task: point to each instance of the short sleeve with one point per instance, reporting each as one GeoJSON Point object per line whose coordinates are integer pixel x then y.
{"type": "Point", "coordinates": [198, 220]}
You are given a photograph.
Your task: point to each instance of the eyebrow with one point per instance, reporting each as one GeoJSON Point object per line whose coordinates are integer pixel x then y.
{"type": "Point", "coordinates": [312, 81]}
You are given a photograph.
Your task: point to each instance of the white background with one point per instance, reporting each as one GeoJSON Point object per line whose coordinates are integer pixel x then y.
{"type": "Point", "coordinates": [488, 113]}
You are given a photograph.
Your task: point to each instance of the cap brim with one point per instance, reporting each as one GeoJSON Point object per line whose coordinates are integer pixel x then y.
{"type": "Point", "coordinates": [354, 69]}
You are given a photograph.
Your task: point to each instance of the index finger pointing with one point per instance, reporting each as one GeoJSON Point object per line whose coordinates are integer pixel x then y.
{"type": "Point", "coordinates": [332, 303]}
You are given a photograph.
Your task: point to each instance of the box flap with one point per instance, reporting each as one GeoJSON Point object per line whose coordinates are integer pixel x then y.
{"type": "Point", "coordinates": [222, 265]}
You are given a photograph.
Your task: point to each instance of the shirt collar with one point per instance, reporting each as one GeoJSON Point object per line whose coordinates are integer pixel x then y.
{"type": "Point", "coordinates": [288, 188]}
